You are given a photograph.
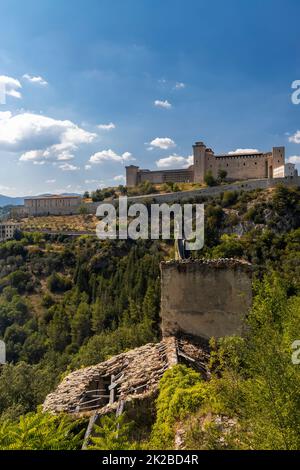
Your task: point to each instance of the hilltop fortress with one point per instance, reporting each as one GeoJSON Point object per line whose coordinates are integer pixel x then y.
{"type": "Point", "coordinates": [238, 166]}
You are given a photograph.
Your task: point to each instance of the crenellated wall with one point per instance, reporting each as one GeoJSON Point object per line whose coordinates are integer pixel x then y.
{"type": "Point", "coordinates": [238, 166]}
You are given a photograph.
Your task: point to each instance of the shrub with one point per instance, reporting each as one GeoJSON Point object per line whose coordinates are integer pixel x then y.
{"type": "Point", "coordinates": [40, 431]}
{"type": "Point", "coordinates": [181, 392]}
{"type": "Point", "coordinates": [209, 179]}
{"type": "Point", "coordinates": [58, 283]}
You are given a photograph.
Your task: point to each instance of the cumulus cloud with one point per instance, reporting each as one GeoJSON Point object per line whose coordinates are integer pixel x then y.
{"type": "Point", "coordinates": [190, 160]}
{"type": "Point", "coordinates": [175, 161]}
{"type": "Point", "coordinates": [295, 138]}
{"type": "Point", "coordinates": [162, 143]}
{"type": "Point", "coordinates": [110, 155]}
{"type": "Point", "coordinates": [4, 115]}
{"type": "Point", "coordinates": [41, 138]}
{"type": "Point", "coordinates": [87, 167]}
{"type": "Point", "coordinates": [246, 151]}
{"type": "Point", "coordinates": [107, 127]}
{"type": "Point", "coordinates": [68, 167]}
{"type": "Point", "coordinates": [10, 86]}
{"type": "Point", "coordinates": [119, 178]}
{"type": "Point", "coordinates": [179, 85]}
{"type": "Point", "coordinates": [294, 159]}
{"type": "Point", "coordinates": [50, 181]}
{"type": "Point", "coordinates": [162, 104]}
{"type": "Point", "coordinates": [35, 79]}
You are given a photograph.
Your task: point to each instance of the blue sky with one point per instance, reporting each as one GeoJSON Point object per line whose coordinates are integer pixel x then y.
{"type": "Point", "coordinates": [97, 84]}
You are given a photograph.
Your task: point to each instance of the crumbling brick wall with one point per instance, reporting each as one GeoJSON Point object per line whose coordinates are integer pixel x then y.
{"type": "Point", "coordinates": [205, 298]}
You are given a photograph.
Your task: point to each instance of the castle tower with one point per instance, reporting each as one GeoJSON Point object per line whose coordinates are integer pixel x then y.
{"type": "Point", "coordinates": [132, 175]}
{"type": "Point", "coordinates": [199, 162]}
{"type": "Point", "coordinates": [275, 160]}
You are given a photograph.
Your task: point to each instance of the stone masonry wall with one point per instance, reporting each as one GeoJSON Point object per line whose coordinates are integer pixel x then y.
{"type": "Point", "coordinates": [205, 298]}
{"type": "Point", "coordinates": [249, 185]}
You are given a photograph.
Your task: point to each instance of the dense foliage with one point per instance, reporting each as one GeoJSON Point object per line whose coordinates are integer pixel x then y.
{"type": "Point", "coordinates": [41, 431]}
{"type": "Point", "coordinates": [67, 303]}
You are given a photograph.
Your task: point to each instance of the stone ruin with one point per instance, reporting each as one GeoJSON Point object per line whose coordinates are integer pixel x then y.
{"type": "Point", "coordinates": [124, 378]}
{"type": "Point", "coordinates": [205, 297]}
{"type": "Point", "coordinates": [200, 299]}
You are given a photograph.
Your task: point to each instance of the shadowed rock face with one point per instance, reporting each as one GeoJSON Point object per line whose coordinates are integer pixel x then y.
{"type": "Point", "coordinates": [205, 298]}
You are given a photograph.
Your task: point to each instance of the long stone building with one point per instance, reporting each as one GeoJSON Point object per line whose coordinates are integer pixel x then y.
{"type": "Point", "coordinates": [238, 166]}
{"type": "Point", "coordinates": [51, 205]}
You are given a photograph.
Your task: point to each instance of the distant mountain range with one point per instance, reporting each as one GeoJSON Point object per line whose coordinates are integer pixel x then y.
{"type": "Point", "coordinates": [10, 201]}
{"type": "Point", "coordinates": [16, 201]}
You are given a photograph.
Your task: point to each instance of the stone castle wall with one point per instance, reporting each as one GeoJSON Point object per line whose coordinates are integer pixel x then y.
{"type": "Point", "coordinates": [241, 166]}
{"type": "Point", "coordinates": [245, 166]}
{"type": "Point", "coordinates": [205, 298]}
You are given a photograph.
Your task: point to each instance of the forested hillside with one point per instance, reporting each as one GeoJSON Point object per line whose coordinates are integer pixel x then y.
{"type": "Point", "coordinates": [67, 303]}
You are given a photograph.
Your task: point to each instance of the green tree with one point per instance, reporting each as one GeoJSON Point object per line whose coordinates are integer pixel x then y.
{"type": "Point", "coordinates": [209, 179]}
{"type": "Point", "coordinates": [81, 324]}
{"type": "Point", "coordinates": [59, 330]}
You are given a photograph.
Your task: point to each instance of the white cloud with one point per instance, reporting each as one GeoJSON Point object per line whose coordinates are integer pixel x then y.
{"type": "Point", "coordinates": [179, 85]}
{"type": "Point", "coordinates": [41, 156]}
{"type": "Point", "coordinates": [162, 104]}
{"type": "Point", "coordinates": [92, 182]}
{"type": "Point", "coordinates": [10, 87]}
{"type": "Point", "coordinates": [110, 155]}
{"type": "Point", "coordinates": [294, 159]}
{"type": "Point", "coordinates": [107, 127]}
{"type": "Point", "coordinates": [36, 80]}
{"type": "Point", "coordinates": [162, 143]}
{"type": "Point", "coordinates": [119, 178]}
{"type": "Point", "coordinates": [27, 131]}
{"type": "Point", "coordinates": [190, 160]}
{"type": "Point", "coordinates": [175, 161]}
{"type": "Point", "coordinates": [295, 138]}
{"type": "Point", "coordinates": [50, 181]}
{"type": "Point", "coordinates": [246, 151]}
{"type": "Point", "coordinates": [33, 156]}
{"type": "Point", "coordinates": [41, 138]}
{"type": "Point", "coordinates": [4, 115]}
{"type": "Point", "coordinates": [87, 167]}
{"type": "Point", "coordinates": [68, 167]}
